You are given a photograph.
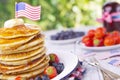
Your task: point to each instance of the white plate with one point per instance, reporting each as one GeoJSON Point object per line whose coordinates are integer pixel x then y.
{"type": "Point", "coordinates": [70, 62]}
{"type": "Point", "coordinates": [49, 33]}
{"type": "Point", "coordinates": [98, 48]}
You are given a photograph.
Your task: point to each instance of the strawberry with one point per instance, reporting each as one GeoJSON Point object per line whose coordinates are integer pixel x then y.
{"type": "Point", "coordinates": [85, 38]}
{"type": "Point", "coordinates": [98, 42]}
{"type": "Point", "coordinates": [91, 33]}
{"type": "Point", "coordinates": [100, 32]}
{"type": "Point", "coordinates": [109, 41]}
{"type": "Point", "coordinates": [89, 43]}
{"type": "Point", "coordinates": [50, 71]}
{"type": "Point", "coordinates": [19, 78]}
{"type": "Point", "coordinates": [54, 58]}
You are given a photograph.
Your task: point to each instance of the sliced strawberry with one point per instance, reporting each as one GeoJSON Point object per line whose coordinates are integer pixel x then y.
{"type": "Point", "coordinates": [50, 71]}
{"type": "Point", "coordinates": [98, 42]}
{"type": "Point", "coordinates": [54, 58]}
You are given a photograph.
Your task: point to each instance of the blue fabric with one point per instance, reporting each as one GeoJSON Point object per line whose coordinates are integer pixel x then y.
{"type": "Point", "coordinates": [113, 61]}
{"type": "Point", "coordinates": [20, 6]}
{"type": "Point", "coordinates": [114, 51]}
{"type": "Point", "coordinates": [116, 17]}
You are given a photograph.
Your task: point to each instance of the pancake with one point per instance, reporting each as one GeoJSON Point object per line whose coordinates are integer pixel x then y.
{"type": "Point", "coordinates": [29, 48]}
{"type": "Point", "coordinates": [20, 56]}
{"type": "Point", "coordinates": [15, 49]}
{"type": "Point", "coordinates": [33, 42]}
{"type": "Point", "coordinates": [29, 68]}
{"type": "Point", "coordinates": [9, 43]}
{"type": "Point", "coordinates": [24, 75]}
{"type": "Point", "coordinates": [17, 31]}
{"type": "Point", "coordinates": [8, 69]}
{"type": "Point", "coordinates": [25, 61]}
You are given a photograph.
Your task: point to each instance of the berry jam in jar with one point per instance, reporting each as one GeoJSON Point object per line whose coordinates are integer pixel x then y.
{"type": "Point", "coordinates": [111, 16]}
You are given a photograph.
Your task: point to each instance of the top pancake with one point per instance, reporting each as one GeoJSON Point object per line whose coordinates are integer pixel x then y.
{"type": "Point", "coordinates": [17, 31]}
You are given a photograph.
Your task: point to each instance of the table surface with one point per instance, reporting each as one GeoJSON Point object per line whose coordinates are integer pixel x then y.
{"type": "Point", "coordinates": [92, 73]}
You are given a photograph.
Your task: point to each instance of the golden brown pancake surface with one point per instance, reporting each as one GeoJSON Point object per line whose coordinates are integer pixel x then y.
{"type": "Point", "coordinates": [17, 31]}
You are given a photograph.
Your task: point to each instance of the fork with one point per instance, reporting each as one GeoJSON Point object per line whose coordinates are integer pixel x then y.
{"type": "Point", "coordinates": [94, 64]}
{"type": "Point", "coordinates": [112, 75]}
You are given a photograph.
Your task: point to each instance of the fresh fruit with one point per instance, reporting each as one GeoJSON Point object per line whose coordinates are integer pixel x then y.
{"type": "Point", "coordinates": [100, 32]}
{"type": "Point", "coordinates": [98, 42]}
{"type": "Point", "coordinates": [53, 58]}
{"type": "Point", "coordinates": [116, 38]}
{"type": "Point", "coordinates": [85, 39]}
{"type": "Point", "coordinates": [69, 34]}
{"type": "Point", "coordinates": [91, 33]}
{"type": "Point", "coordinates": [116, 33]}
{"type": "Point", "coordinates": [89, 43]}
{"type": "Point", "coordinates": [20, 78]}
{"type": "Point", "coordinates": [119, 40]}
{"type": "Point", "coordinates": [45, 77]}
{"type": "Point", "coordinates": [50, 71]}
{"type": "Point", "coordinates": [38, 78]}
{"type": "Point", "coordinates": [100, 37]}
{"type": "Point", "coordinates": [109, 41]}
{"type": "Point", "coordinates": [59, 67]}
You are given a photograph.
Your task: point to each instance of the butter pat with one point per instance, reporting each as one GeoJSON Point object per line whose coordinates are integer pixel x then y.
{"type": "Point", "coordinates": [13, 22]}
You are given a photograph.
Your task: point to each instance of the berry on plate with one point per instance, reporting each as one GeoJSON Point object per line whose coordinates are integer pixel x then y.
{"type": "Point", "coordinates": [20, 78]}
{"type": "Point", "coordinates": [59, 67]}
{"type": "Point", "coordinates": [89, 43]}
{"type": "Point", "coordinates": [109, 41]}
{"type": "Point", "coordinates": [91, 33]}
{"type": "Point", "coordinates": [38, 78]}
{"type": "Point", "coordinates": [50, 71]}
{"type": "Point", "coordinates": [53, 58]}
{"type": "Point", "coordinates": [85, 39]}
{"type": "Point", "coordinates": [98, 42]}
{"type": "Point", "coordinates": [45, 77]}
{"type": "Point", "coordinates": [100, 32]}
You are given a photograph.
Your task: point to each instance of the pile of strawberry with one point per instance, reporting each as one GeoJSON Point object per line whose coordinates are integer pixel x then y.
{"type": "Point", "coordinates": [100, 37]}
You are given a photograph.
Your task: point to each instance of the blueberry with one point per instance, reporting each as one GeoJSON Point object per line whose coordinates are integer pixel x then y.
{"type": "Point", "coordinates": [59, 67]}
{"type": "Point", "coordinates": [80, 62]}
{"type": "Point", "coordinates": [54, 64]}
{"type": "Point", "coordinates": [54, 37]}
{"type": "Point", "coordinates": [80, 34]}
{"type": "Point", "coordinates": [64, 35]}
{"type": "Point", "coordinates": [77, 78]}
{"type": "Point", "coordinates": [38, 78]}
{"type": "Point", "coordinates": [45, 77]}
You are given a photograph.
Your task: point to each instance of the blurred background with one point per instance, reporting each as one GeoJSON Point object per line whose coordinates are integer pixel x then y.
{"type": "Point", "coordinates": [58, 14]}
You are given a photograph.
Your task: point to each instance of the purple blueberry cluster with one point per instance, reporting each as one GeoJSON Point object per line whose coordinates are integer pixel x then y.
{"type": "Point", "coordinates": [59, 67]}
{"type": "Point", "coordinates": [69, 34]}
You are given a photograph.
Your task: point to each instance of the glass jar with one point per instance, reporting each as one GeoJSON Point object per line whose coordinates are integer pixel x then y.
{"type": "Point", "coordinates": [109, 9]}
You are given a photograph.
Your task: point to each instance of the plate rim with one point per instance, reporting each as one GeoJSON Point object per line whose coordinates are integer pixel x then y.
{"type": "Point", "coordinates": [98, 48]}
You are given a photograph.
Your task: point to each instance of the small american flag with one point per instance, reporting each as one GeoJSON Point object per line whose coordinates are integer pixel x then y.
{"type": "Point", "coordinates": [26, 10]}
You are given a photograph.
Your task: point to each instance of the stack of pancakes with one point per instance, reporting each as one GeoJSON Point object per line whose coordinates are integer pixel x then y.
{"type": "Point", "coordinates": [22, 53]}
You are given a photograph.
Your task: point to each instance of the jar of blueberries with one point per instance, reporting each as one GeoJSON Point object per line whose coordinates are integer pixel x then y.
{"type": "Point", "coordinates": [111, 16]}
